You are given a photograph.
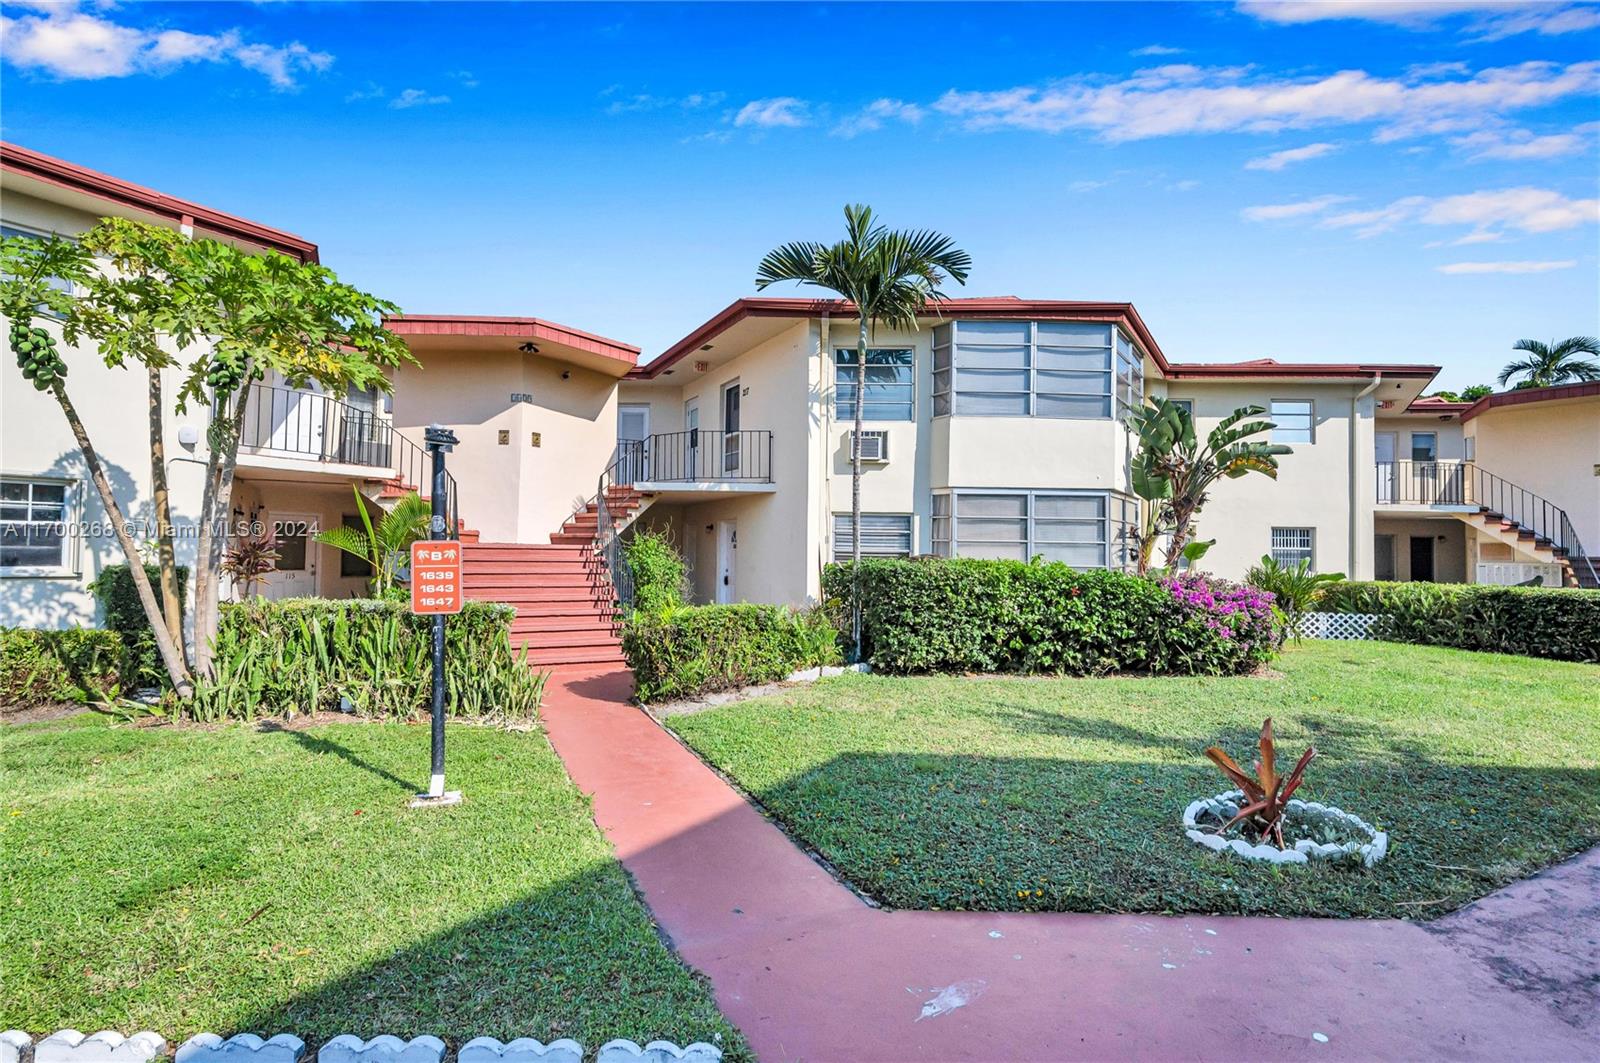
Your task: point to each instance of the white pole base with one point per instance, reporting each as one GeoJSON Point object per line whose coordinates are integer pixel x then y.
{"type": "Point", "coordinates": [448, 797]}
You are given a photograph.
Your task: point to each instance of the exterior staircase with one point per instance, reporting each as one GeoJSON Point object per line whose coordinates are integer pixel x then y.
{"type": "Point", "coordinates": [1536, 547]}
{"type": "Point", "coordinates": [567, 614]}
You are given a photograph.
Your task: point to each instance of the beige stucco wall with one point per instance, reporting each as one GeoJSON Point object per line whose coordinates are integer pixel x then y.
{"type": "Point", "coordinates": [1449, 434]}
{"type": "Point", "coordinates": [513, 492]}
{"type": "Point", "coordinates": [1551, 449]}
{"type": "Point", "coordinates": [1327, 485]}
{"type": "Point", "coordinates": [326, 505]}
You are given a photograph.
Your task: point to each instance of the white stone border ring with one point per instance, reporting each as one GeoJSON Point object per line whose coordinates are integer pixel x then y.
{"type": "Point", "coordinates": [1226, 806]}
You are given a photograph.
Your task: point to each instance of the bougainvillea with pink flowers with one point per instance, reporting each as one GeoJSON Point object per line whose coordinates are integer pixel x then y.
{"type": "Point", "coordinates": [1240, 615]}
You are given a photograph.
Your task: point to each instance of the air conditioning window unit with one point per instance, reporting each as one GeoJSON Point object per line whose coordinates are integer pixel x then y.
{"type": "Point", "coordinates": [875, 446]}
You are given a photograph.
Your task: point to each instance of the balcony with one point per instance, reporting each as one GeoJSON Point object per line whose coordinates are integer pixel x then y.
{"type": "Point", "coordinates": [697, 460]}
{"type": "Point", "coordinates": [1426, 483]}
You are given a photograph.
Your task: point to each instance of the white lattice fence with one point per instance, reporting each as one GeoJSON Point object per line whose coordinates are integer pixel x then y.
{"type": "Point", "coordinates": [1337, 625]}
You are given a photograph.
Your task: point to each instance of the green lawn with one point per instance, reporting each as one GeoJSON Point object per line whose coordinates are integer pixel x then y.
{"type": "Point", "coordinates": [1065, 794]}
{"type": "Point", "coordinates": [229, 879]}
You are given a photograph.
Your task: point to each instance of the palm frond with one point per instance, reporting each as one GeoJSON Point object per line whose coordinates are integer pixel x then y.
{"type": "Point", "coordinates": [798, 261]}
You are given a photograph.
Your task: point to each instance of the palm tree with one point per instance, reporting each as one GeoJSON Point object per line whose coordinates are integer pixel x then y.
{"type": "Point", "coordinates": [890, 277]}
{"type": "Point", "coordinates": [383, 548]}
{"type": "Point", "coordinates": [1554, 363]}
{"type": "Point", "coordinates": [1172, 469]}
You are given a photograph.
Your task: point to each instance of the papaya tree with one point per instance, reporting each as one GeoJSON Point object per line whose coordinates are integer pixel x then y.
{"type": "Point", "coordinates": [1172, 469]}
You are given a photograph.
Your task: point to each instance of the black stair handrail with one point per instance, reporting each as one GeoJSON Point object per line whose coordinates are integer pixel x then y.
{"type": "Point", "coordinates": [1465, 483]}
{"type": "Point", "coordinates": [309, 424]}
{"type": "Point", "coordinates": [627, 459]}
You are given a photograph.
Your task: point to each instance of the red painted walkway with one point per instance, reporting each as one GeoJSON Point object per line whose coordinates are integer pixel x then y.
{"type": "Point", "coordinates": [812, 974]}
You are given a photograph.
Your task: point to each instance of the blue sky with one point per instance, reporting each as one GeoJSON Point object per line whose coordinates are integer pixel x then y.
{"type": "Point", "coordinates": [1301, 181]}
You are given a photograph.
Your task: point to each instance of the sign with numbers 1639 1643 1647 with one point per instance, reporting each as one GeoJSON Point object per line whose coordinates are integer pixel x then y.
{"type": "Point", "coordinates": [436, 576]}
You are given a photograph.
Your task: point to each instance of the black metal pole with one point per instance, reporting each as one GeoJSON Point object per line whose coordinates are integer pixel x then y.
{"type": "Point", "coordinates": [439, 440]}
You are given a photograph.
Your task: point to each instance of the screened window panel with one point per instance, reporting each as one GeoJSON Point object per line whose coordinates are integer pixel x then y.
{"type": "Point", "coordinates": [1084, 555]}
{"type": "Point", "coordinates": [1294, 420]}
{"type": "Point", "coordinates": [941, 382]}
{"type": "Point", "coordinates": [1069, 531]}
{"type": "Point", "coordinates": [941, 357]}
{"type": "Point", "coordinates": [1073, 334]}
{"type": "Point", "coordinates": [1069, 507]}
{"type": "Point", "coordinates": [941, 404]}
{"type": "Point", "coordinates": [882, 535]}
{"type": "Point", "coordinates": [941, 335]}
{"type": "Point", "coordinates": [1070, 383]}
{"type": "Point", "coordinates": [991, 380]}
{"type": "Point", "coordinates": [994, 530]}
{"type": "Point", "coordinates": [1015, 332]}
{"type": "Point", "coordinates": [973, 505]}
{"type": "Point", "coordinates": [1290, 546]}
{"type": "Point", "coordinates": [991, 357]}
{"type": "Point", "coordinates": [979, 405]}
{"type": "Point", "coordinates": [1073, 406]}
{"type": "Point", "coordinates": [986, 551]}
{"type": "Point", "coordinates": [1068, 358]}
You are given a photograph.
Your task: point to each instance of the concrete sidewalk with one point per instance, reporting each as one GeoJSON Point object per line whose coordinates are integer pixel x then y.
{"type": "Point", "coordinates": [811, 973]}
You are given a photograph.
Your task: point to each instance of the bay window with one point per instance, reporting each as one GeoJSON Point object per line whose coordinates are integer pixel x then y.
{"type": "Point", "coordinates": [1084, 529]}
{"type": "Point", "coordinates": [1074, 369]}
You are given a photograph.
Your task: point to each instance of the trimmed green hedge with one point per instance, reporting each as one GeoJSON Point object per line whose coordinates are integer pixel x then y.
{"type": "Point", "coordinates": [1535, 622]}
{"type": "Point", "coordinates": [124, 614]}
{"type": "Point", "coordinates": [49, 667]}
{"type": "Point", "coordinates": [965, 615]}
{"type": "Point", "coordinates": [704, 648]}
{"type": "Point", "coordinates": [366, 656]}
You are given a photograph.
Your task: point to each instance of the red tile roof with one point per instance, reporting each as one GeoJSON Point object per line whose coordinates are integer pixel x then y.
{"type": "Point", "coordinates": [28, 163]}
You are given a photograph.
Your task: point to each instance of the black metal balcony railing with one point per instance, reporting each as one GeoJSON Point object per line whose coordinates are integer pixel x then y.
{"type": "Point", "coordinates": [1463, 483]}
{"type": "Point", "coordinates": [696, 456]}
{"type": "Point", "coordinates": [307, 425]}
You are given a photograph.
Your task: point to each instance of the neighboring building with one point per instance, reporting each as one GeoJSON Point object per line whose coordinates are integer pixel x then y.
{"type": "Point", "coordinates": [993, 430]}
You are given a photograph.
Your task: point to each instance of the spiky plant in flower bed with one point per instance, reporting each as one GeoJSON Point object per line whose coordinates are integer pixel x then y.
{"type": "Point", "coordinates": [1266, 795]}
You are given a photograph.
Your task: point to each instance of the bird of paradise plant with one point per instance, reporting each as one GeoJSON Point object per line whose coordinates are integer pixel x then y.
{"type": "Point", "coordinates": [1266, 794]}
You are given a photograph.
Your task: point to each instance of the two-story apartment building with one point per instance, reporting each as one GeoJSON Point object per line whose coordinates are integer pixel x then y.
{"type": "Point", "coordinates": [995, 429]}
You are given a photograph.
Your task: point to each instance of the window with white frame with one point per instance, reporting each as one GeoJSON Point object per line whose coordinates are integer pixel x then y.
{"type": "Point", "coordinates": [1074, 369]}
{"type": "Point", "coordinates": [890, 390]}
{"type": "Point", "coordinates": [882, 535]}
{"type": "Point", "coordinates": [1469, 448]}
{"type": "Point", "coordinates": [1085, 529]}
{"type": "Point", "coordinates": [1187, 406]}
{"type": "Point", "coordinates": [1290, 546]}
{"type": "Point", "coordinates": [1424, 446]}
{"type": "Point", "coordinates": [33, 525]}
{"type": "Point", "coordinates": [1295, 419]}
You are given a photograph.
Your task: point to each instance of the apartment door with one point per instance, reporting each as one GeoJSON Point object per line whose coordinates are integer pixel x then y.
{"type": "Point", "coordinates": [727, 562]}
{"type": "Point", "coordinates": [730, 429]}
{"type": "Point", "coordinates": [1422, 558]}
{"type": "Point", "coordinates": [295, 574]}
{"type": "Point", "coordinates": [1383, 557]}
{"type": "Point", "coordinates": [1384, 444]}
{"type": "Point", "coordinates": [633, 435]}
{"type": "Point", "coordinates": [691, 443]}
{"type": "Point", "coordinates": [294, 420]}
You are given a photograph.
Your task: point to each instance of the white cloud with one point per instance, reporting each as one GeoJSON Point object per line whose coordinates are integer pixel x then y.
{"type": "Point", "coordinates": [1485, 20]}
{"type": "Point", "coordinates": [1279, 159]}
{"type": "Point", "coordinates": [416, 98]}
{"type": "Point", "coordinates": [1156, 49]}
{"type": "Point", "coordinates": [72, 45]}
{"type": "Point", "coordinates": [645, 101]}
{"type": "Point", "coordinates": [1522, 145]}
{"type": "Point", "coordinates": [1488, 213]}
{"type": "Point", "coordinates": [871, 117]}
{"type": "Point", "coordinates": [373, 91]}
{"type": "Point", "coordinates": [780, 111]}
{"type": "Point", "coordinates": [1506, 267]}
{"type": "Point", "coordinates": [1298, 209]}
{"type": "Point", "coordinates": [1182, 99]}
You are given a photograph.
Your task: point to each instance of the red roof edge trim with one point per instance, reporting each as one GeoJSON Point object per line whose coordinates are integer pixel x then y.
{"type": "Point", "coordinates": [1520, 396]}
{"type": "Point", "coordinates": [29, 163]}
{"type": "Point", "coordinates": [511, 327]}
{"type": "Point", "coordinates": [992, 308]}
{"type": "Point", "coordinates": [1234, 370]}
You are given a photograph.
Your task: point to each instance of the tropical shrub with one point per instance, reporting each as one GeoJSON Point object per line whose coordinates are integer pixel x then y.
{"type": "Point", "coordinates": [49, 667]}
{"type": "Point", "coordinates": [1563, 624]}
{"type": "Point", "coordinates": [122, 612]}
{"type": "Point", "coordinates": [1295, 589]}
{"type": "Point", "coordinates": [660, 575]}
{"type": "Point", "coordinates": [365, 656]}
{"type": "Point", "coordinates": [1266, 793]}
{"type": "Point", "coordinates": [965, 615]}
{"type": "Point", "coordinates": [384, 548]}
{"type": "Point", "coordinates": [704, 648]}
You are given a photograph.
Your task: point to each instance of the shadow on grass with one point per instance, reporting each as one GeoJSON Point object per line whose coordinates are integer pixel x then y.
{"type": "Point", "coordinates": [315, 744]}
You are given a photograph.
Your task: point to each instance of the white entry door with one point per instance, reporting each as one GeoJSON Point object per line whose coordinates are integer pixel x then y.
{"type": "Point", "coordinates": [691, 444]}
{"type": "Point", "coordinates": [295, 419]}
{"type": "Point", "coordinates": [295, 575]}
{"type": "Point", "coordinates": [633, 434]}
{"type": "Point", "coordinates": [727, 561]}
{"type": "Point", "coordinates": [1383, 449]}
{"type": "Point", "coordinates": [730, 429]}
